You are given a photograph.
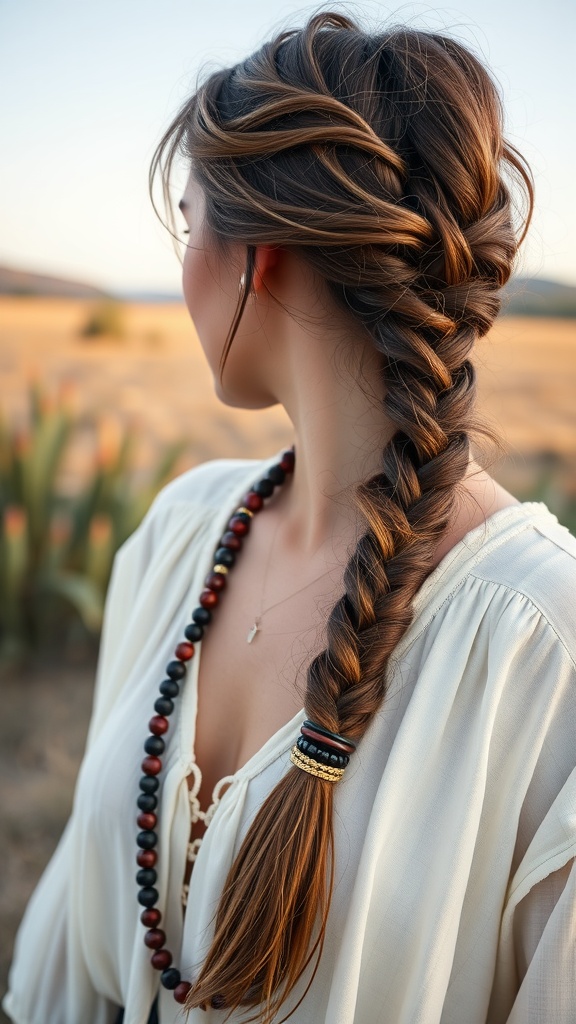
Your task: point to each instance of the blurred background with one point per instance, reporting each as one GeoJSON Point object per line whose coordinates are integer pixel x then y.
{"type": "Point", "coordinates": [104, 392]}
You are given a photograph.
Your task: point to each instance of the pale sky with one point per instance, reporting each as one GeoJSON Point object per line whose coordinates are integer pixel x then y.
{"type": "Point", "coordinates": [87, 89]}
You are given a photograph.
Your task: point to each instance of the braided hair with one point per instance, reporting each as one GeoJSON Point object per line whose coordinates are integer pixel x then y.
{"type": "Point", "coordinates": [380, 159]}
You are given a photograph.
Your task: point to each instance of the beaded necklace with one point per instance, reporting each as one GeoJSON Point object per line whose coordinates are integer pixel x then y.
{"type": "Point", "coordinates": [317, 750]}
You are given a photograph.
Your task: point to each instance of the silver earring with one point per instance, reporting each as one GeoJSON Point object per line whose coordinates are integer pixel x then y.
{"type": "Point", "coordinates": [242, 284]}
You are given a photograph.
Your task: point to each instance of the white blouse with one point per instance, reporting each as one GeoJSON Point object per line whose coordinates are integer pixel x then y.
{"type": "Point", "coordinates": [455, 823]}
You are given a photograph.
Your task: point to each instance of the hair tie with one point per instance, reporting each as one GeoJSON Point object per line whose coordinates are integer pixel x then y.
{"type": "Point", "coordinates": [320, 752]}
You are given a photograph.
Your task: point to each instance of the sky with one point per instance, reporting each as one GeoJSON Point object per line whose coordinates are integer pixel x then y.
{"type": "Point", "coordinates": [88, 88]}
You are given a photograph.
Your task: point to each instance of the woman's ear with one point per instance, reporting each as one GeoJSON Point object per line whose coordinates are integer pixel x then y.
{"type": "Point", "coordinates": [265, 258]}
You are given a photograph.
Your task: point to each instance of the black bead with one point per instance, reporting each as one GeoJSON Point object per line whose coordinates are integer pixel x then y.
{"type": "Point", "coordinates": [147, 839]}
{"type": "Point", "coordinates": [169, 688]}
{"type": "Point", "coordinates": [244, 517]}
{"type": "Point", "coordinates": [322, 754]}
{"type": "Point", "coordinates": [146, 876]}
{"type": "Point", "coordinates": [176, 669]}
{"type": "Point", "coordinates": [193, 633]}
{"type": "Point", "coordinates": [264, 488]}
{"type": "Point", "coordinates": [224, 556]}
{"type": "Point", "coordinates": [147, 802]}
{"type": "Point", "coordinates": [276, 474]}
{"type": "Point", "coordinates": [164, 706]}
{"type": "Point", "coordinates": [202, 616]}
{"type": "Point", "coordinates": [149, 783]}
{"type": "Point", "coordinates": [154, 745]}
{"type": "Point", "coordinates": [147, 897]}
{"type": "Point", "coordinates": [171, 977]}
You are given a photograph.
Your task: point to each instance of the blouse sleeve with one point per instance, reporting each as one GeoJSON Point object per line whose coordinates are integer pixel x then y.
{"type": "Point", "coordinates": [544, 930]}
{"type": "Point", "coordinates": [47, 980]}
{"type": "Point", "coordinates": [535, 978]}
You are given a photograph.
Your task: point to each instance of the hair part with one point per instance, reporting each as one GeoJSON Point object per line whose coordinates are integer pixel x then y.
{"type": "Point", "coordinates": [379, 158]}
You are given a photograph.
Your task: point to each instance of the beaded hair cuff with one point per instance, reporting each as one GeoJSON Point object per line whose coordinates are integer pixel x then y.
{"type": "Point", "coordinates": [320, 752]}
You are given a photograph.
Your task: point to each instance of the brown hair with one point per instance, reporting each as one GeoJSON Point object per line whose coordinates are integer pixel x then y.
{"type": "Point", "coordinates": [380, 159]}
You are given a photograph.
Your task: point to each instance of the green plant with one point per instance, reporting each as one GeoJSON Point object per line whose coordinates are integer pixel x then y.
{"type": "Point", "coordinates": [56, 550]}
{"type": "Point", "coordinates": [554, 485]}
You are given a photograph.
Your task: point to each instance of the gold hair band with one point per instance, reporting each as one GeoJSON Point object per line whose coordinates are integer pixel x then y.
{"type": "Point", "coordinates": [313, 767]}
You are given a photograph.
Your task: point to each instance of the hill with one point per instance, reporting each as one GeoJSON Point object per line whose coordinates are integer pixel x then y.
{"type": "Point", "coordinates": [535, 296]}
{"type": "Point", "coordinates": [23, 282]}
{"type": "Point", "coordinates": [522, 296]}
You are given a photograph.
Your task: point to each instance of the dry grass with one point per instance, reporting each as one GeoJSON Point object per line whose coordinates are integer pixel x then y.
{"type": "Point", "coordinates": [156, 375]}
{"type": "Point", "coordinates": [527, 386]}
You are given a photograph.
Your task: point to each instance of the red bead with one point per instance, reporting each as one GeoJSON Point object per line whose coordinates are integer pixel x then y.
{"type": "Point", "coordinates": [155, 938]}
{"type": "Point", "coordinates": [215, 581]}
{"type": "Point", "coordinates": [146, 858]}
{"type": "Point", "coordinates": [146, 820]}
{"type": "Point", "coordinates": [208, 599]}
{"type": "Point", "coordinates": [287, 461]}
{"type": "Point", "coordinates": [151, 765]}
{"type": "Point", "coordinates": [184, 651]}
{"type": "Point", "coordinates": [238, 526]}
{"type": "Point", "coordinates": [231, 541]}
{"type": "Point", "coordinates": [158, 725]}
{"type": "Point", "coordinates": [181, 991]}
{"type": "Point", "coordinates": [161, 959]}
{"type": "Point", "coordinates": [253, 501]}
{"type": "Point", "coordinates": [151, 917]}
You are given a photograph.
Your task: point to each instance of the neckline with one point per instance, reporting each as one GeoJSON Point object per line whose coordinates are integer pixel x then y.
{"type": "Point", "coordinates": [452, 568]}
{"type": "Point", "coordinates": [231, 500]}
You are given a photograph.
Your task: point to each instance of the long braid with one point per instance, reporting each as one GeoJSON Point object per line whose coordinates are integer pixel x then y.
{"type": "Point", "coordinates": [377, 158]}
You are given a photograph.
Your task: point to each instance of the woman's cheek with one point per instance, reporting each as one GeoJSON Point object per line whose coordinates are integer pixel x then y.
{"type": "Point", "coordinates": [203, 300]}
{"type": "Point", "coordinates": [191, 283]}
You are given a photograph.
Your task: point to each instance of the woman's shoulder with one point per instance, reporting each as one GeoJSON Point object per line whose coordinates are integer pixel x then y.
{"type": "Point", "coordinates": [208, 483]}
{"type": "Point", "coordinates": [534, 567]}
{"type": "Point", "coordinates": [207, 487]}
{"type": "Point", "coordinates": [181, 507]}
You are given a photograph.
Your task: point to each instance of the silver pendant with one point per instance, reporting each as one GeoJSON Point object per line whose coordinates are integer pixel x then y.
{"type": "Point", "coordinates": [252, 633]}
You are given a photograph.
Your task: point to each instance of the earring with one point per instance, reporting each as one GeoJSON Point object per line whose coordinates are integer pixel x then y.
{"type": "Point", "coordinates": [241, 285]}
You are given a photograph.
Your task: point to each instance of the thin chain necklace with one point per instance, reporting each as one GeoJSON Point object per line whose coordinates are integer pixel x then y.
{"type": "Point", "coordinates": [228, 547]}
{"type": "Point", "coordinates": [258, 618]}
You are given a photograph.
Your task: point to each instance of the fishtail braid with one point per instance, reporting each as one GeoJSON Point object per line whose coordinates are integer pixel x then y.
{"type": "Point", "coordinates": [380, 159]}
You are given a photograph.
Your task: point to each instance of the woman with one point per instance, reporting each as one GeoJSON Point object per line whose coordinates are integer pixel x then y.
{"type": "Point", "coordinates": [362, 807]}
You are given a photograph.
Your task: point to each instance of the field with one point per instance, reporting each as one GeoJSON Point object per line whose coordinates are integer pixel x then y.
{"type": "Point", "coordinates": [156, 376]}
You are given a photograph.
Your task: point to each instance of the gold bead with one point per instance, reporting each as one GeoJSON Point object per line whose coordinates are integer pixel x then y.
{"type": "Point", "coordinates": [321, 771]}
{"type": "Point", "coordinates": [223, 569]}
{"type": "Point", "coordinates": [246, 510]}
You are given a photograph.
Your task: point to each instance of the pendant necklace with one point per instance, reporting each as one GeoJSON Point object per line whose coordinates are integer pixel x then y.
{"type": "Point", "coordinates": [229, 545]}
{"type": "Point", "coordinates": [258, 618]}
{"type": "Point", "coordinates": [317, 751]}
